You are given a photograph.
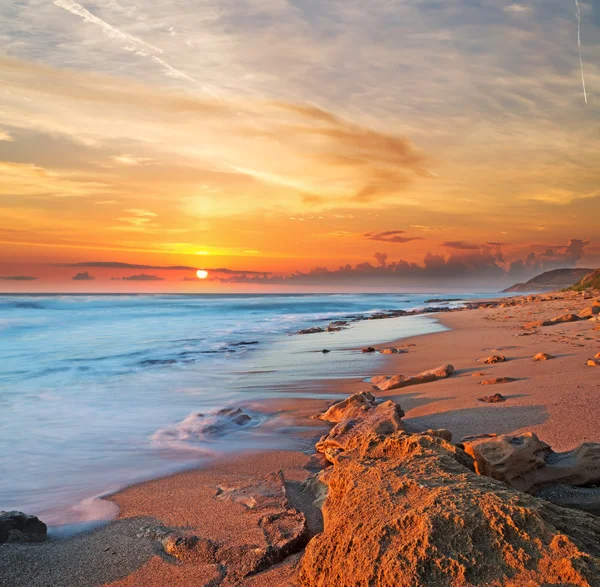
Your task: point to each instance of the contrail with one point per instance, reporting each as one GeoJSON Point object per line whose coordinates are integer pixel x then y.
{"type": "Point", "coordinates": [579, 45]}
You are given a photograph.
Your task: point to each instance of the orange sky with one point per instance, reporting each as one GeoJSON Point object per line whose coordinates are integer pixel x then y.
{"type": "Point", "coordinates": [290, 137]}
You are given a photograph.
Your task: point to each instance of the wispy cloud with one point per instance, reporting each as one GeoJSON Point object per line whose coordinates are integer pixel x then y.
{"type": "Point", "coordinates": [391, 236]}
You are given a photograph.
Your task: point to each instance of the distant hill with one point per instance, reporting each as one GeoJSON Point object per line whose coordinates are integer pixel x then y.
{"type": "Point", "coordinates": [591, 280]}
{"type": "Point", "coordinates": [555, 279]}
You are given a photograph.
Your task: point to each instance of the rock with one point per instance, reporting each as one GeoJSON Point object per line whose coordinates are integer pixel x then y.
{"type": "Point", "coordinates": [586, 499]}
{"type": "Point", "coordinates": [199, 426]}
{"type": "Point", "coordinates": [542, 357]}
{"type": "Point", "coordinates": [527, 464]}
{"type": "Point", "coordinates": [267, 492]}
{"type": "Point", "coordinates": [588, 312]}
{"type": "Point", "coordinates": [20, 527]}
{"type": "Point", "coordinates": [480, 374]}
{"type": "Point", "coordinates": [325, 351]}
{"type": "Point", "coordinates": [389, 351]}
{"type": "Point", "coordinates": [497, 380]}
{"type": "Point", "coordinates": [597, 356]}
{"type": "Point", "coordinates": [337, 412]}
{"type": "Point", "coordinates": [181, 546]}
{"type": "Point", "coordinates": [495, 359]}
{"type": "Point", "coordinates": [593, 363]}
{"type": "Point", "coordinates": [313, 330]}
{"type": "Point", "coordinates": [438, 433]}
{"type": "Point", "coordinates": [382, 419]}
{"type": "Point", "coordinates": [399, 381]}
{"type": "Point", "coordinates": [493, 399]}
{"type": "Point", "coordinates": [406, 511]}
{"type": "Point", "coordinates": [317, 486]}
{"type": "Point", "coordinates": [368, 349]}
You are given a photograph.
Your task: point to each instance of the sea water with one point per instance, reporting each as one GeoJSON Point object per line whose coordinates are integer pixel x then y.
{"type": "Point", "coordinates": [91, 387]}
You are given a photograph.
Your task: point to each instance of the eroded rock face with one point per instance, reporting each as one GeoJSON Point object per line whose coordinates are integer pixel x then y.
{"type": "Point", "coordinates": [406, 511]}
{"type": "Point", "coordinates": [398, 381]}
{"type": "Point", "coordinates": [20, 527]}
{"type": "Point", "coordinates": [384, 419]}
{"type": "Point", "coordinates": [526, 463]}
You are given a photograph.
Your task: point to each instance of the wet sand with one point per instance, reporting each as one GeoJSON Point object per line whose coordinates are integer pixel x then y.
{"type": "Point", "coordinates": [558, 399]}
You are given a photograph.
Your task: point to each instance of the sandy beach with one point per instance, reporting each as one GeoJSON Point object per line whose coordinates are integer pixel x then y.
{"type": "Point", "coordinates": [557, 399]}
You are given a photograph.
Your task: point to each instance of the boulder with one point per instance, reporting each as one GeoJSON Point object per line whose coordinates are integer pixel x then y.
{"type": "Point", "coordinates": [542, 357]}
{"type": "Point", "coordinates": [20, 527]}
{"type": "Point", "coordinates": [407, 511]}
{"type": "Point", "coordinates": [493, 399]}
{"type": "Point", "coordinates": [400, 381]}
{"type": "Point", "coordinates": [593, 363]}
{"type": "Point", "coordinates": [382, 419]}
{"type": "Point", "coordinates": [368, 349]}
{"type": "Point", "coordinates": [343, 409]}
{"type": "Point", "coordinates": [497, 380]}
{"type": "Point", "coordinates": [526, 463]}
{"type": "Point", "coordinates": [325, 351]}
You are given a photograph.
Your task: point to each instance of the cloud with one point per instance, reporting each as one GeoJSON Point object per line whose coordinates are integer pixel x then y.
{"type": "Point", "coordinates": [142, 277]}
{"type": "Point", "coordinates": [483, 267]}
{"type": "Point", "coordinates": [83, 277]}
{"type": "Point", "coordinates": [4, 136]}
{"type": "Point", "coordinates": [18, 278]}
{"type": "Point", "coordinates": [391, 236]}
{"type": "Point", "coordinates": [461, 245]}
{"type": "Point", "coordinates": [119, 265]}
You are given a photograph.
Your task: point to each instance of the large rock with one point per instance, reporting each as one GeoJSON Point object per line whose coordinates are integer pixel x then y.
{"type": "Point", "coordinates": [406, 511]}
{"type": "Point", "coordinates": [526, 463]}
{"type": "Point", "coordinates": [341, 410]}
{"type": "Point", "coordinates": [20, 527]}
{"type": "Point", "coordinates": [383, 419]}
{"type": "Point", "coordinates": [399, 381]}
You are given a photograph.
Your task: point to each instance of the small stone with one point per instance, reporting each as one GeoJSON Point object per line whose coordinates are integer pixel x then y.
{"type": "Point", "coordinates": [497, 380]}
{"type": "Point", "coordinates": [542, 357]}
{"type": "Point", "coordinates": [495, 359]}
{"type": "Point", "coordinates": [493, 399]}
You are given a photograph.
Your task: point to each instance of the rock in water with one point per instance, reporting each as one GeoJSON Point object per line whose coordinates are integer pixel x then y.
{"type": "Point", "coordinates": [20, 527]}
{"type": "Point", "coordinates": [407, 511]}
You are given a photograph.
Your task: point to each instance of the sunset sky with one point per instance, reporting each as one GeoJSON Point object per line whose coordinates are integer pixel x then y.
{"type": "Point", "coordinates": [278, 140]}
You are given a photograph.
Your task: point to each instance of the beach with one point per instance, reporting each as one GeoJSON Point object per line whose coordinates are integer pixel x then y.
{"type": "Point", "coordinates": [556, 398]}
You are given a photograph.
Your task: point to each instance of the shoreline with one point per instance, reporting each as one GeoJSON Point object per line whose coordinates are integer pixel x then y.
{"type": "Point", "coordinates": [555, 399]}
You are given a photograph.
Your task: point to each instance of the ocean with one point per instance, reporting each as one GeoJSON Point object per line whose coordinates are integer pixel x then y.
{"type": "Point", "coordinates": [100, 391]}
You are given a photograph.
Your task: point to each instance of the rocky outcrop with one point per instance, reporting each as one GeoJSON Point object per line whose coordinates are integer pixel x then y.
{"type": "Point", "coordinates": [384, 383]}
{"type": "Point", "coordinates": [407, 510]}
{"type": "Point", "coordinates": [270, 531]}
{"type": "Point", "coordinates": [355, 417]}
{"type": "Point", "coordinates": [558, 320]}
{"type": "Point", "coordinates": [526, 463]}
{"type": "Point", "coordinates": [20, 527]}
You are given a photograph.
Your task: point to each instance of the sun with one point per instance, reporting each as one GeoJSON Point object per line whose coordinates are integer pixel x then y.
{"type": "Point", "coordinates": [202, 274]}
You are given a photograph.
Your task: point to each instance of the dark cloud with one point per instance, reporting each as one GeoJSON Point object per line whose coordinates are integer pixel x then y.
{"type": "Point", "coordinates": [495, 244]}
{"type": "Point", "coordinates": [18, 278]}
{"type": "Point", "coordinates": [391, 236]}
{"type": "Point", "coordinates": [460, 245]}
{"type": "Point", "coordinates": [117, 265]}
{"type": "Point", "coordinates": [83, 277]}
{"type": "Point", "coordinates": [483, 265]}
{"type": "Point", "coordinates": [141, 277]}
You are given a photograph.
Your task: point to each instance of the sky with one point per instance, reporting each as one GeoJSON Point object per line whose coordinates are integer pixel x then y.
{"type": "Point", "coordinates": [288, 145]}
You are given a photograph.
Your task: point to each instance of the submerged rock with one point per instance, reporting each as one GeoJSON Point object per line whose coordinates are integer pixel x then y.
{"type": "Point", "coordinates": [20, 527]}
{"type": "Point", "coordinates": [398, 381]}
